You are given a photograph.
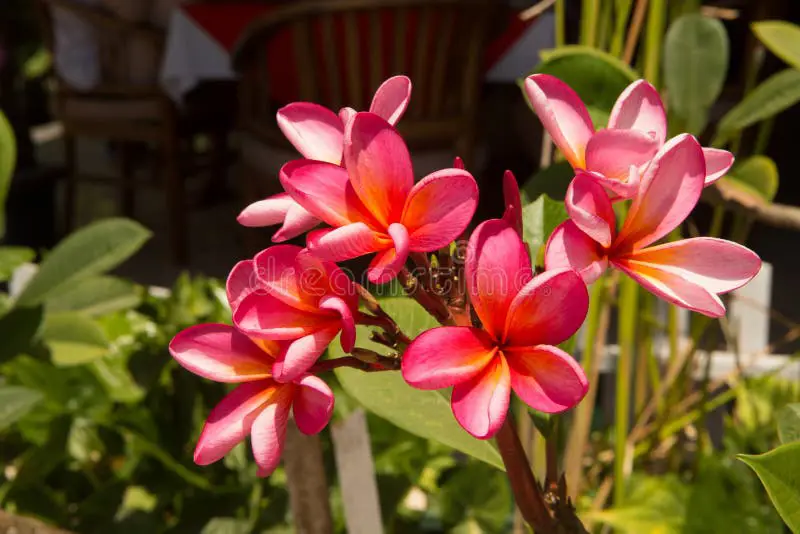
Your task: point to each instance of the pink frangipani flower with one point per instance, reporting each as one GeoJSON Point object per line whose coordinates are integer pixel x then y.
{"type": "Point", "coordinates": [259, 406]}
{"type": "Point", "coordinates": [287, 295]}
{"type": "Point", "coordinates": [690, 273]}
{"type": "Point", "coordinates": [522, 317]}
{"type": "Point", "coordinates": [373, 204]}
{"type": "Point", "coordinates": [637, 129]}
{"type": "Point", "coordinates": [318, 134]}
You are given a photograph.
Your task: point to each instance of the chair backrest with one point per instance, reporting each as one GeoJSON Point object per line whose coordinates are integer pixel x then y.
{"type": "Point", "coordinates": [338, 53]}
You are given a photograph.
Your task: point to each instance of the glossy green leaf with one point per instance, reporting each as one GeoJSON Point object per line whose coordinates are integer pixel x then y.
{"type": "Point", "coordinates": [73, 339]}
{"type": "Point", "coordinates": [226, 525]}
{"type": "Point", "coordinates": [789, 423]}
{"type": "Point", "coordinates": [13, 257]}
{"type": "Point", "coordinates": [597, 77]}
{"type": "Point", "coordinates": [90, 251]}
{"type": "Point", "coordinates": [8, 162]}
{"type": "Point", "coordinates": [757, 175]}
{"type": "Point", "coordinates": [539, 219]}
{"type": "Point", "coordinates": [552, 181]}
{"type": "Point", "coordinates": [424, 413]}
{"type": "Point", "coordinates": [15, 402]}
{"type": "Point", "coordinates": [782, 38]}
{"type": "Point", "coordinates": [779, 471]}
{"type": "Point", "coordinates": [770, 97]}
{"type": "Point", "coordinates": [696, 52]}
{"type": "Point", "coordinates": [98, 295]}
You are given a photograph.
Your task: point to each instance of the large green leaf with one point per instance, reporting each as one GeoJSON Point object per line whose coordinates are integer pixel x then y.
{"type": "Point", "coordinates": [789, 423]}
{"type": "Point", "coordinates": [539, 219]}
{"type": "Point", "coordinates": [73, 339]}
{"type": "Point", "coordinates": [8, 162]}
{"type": "Point", "coordinates": [773, 95]}
{"type": "Point", "coordinates": [695, 64]}
{"type": "Point", "coordinates": [13, 257]}
{"type": "Point", "coordinates": [98, 295]}
{"type": "Point", "coordinates": [597, 77]}
{"type": "Point", "coordinates": [15, 402]}
{"type": "Point", "coordinates": [782, 38]}
{"type": "Point", "coordinates": [757, 176]}
{"type": "Point", "coordinates": [90, 251]}
{"type": "Point", "coordinates": [424, 413]}
{"type": "Point", "coordinates": [779, 471]}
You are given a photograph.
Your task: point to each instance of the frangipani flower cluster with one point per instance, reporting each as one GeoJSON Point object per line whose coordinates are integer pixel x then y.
{"type": "Point", "coordinates": [289, 303]}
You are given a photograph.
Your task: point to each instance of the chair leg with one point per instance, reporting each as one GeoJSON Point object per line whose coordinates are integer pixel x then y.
{"type": "Point", "coordinates": [176, 201]}
{"type": "Point", "coordinates": [71, 186]}
{"type": "Point", "coordinates": [128, 189]}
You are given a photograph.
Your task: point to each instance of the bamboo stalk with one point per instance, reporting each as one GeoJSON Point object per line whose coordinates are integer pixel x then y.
{"type": "Point", "coordinates": [626, 339]}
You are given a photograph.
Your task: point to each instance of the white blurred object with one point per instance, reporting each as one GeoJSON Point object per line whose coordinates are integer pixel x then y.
{"type": "Point", "coordinates": [77, 54]}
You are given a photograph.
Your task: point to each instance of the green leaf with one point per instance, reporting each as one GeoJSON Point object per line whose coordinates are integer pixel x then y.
{"type": "Point", "coordinates": [782, 38]}
{"type": "Point", "coordinates": [757, 175]}
{"type": "Point", "coordinates": [226, 525]}
{"type": "Point", "coordinates": [779, 471]}
{"type": "Point", "coordinates": [95, 296]}
{"type": "Point", "coordinates": [8, 162]}
{"type": "Point", "coordinates": [597, 77]}
{"type": "Point", "coordinates": [113, 374]}
{"type": "Point", "coordinates": [695, 64]}
{"type": "Point", "coordinates": [424, 413]}
{"type": "Point", "coordinates": [17, 330]}
{"type": "Point", "coordinates": [476, 491]}
{"type": "Point", "coordinates": [789, 423]}
{"type": "Point", "coordinates": [73, 339]}
{"type": "Point", "coordinates": [15, 402]}
{"type": "Point", "coordinates": [539, 219]}
{"type": "Point", "coordinates": [773, 95]}
{"type": "Point", "coordinates": [13, 257]}
{"type": "Point", "coordinates": [552, 181]}
{"type": "Point", "coordinates": [90, 251]}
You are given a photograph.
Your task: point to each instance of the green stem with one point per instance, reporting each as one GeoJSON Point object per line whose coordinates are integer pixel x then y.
{"type": "Point", "coordinates": [628, 313]}
{"type": "Point", "coordinates": [644, 350]}
{"type": "Point", "coordinates": [589, 14]}
{"type": "Point", "coordinates": [604, 26]}
{"type": "Point", "coordinates": [715, 230]}
{"type": "Point", "coordinates": [620, 29]}
{"type": "Point", "coordinates": [763, 135]}
{"type": "Point", "coordinates": [561, 17]}
{"type": "Point", "coordinates": [654, 36]}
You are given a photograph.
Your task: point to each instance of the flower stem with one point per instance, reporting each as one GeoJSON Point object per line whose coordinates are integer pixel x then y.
{"type": "Point", "coordinates": [628, 311]}
{"type": "Point", "coordinates": [382, 364]}
{"type": "Point", "coordinates": [433, 304]}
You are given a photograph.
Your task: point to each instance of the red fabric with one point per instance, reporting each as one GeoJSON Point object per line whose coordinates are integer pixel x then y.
{"type": "Point", "coordinates": [225, 23]}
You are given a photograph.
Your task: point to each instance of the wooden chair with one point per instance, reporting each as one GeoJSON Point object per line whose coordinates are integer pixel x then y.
{"type": "Point", "coordinates": [338, 53]}
{"type": "Point", "coordinates": [124, 112]}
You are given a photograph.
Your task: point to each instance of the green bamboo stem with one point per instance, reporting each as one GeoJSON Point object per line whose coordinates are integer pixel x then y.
{"type": "Point", "coordinates": [654, 37]}
{"type": "Point", "coordinates": [620, 29]}
{"type": "Point", "coordinates": [644, 354]}
{"type": "Point", "coordinates": [763, 135]}
{"type": "Point", "coordinates": [561, 23]}
{"type": "Point", "coordinates": [604, 26]}
{"type": "Point", "coordinates": [715, 230]}
{"type": "Point", "coordinates": [589, 14]}
{"type": "Point", "coordinates": [628, 313]}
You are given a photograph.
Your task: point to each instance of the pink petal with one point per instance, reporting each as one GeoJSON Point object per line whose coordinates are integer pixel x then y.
{"type": "Point", "coordinates": [672, 288]}
{"type": "Point", "coordinates": [569, 248]}
{"type": "Point", "coordinates": [315, 131]}
{"type": "Point", "coordinates": [348, 326]}
{"type": "Point", "coordinates": [590, 209]}
{"type": "Point", "coordinates": [267, 317]}
{"type": "Point", "coordinates": [613, 152]}
{"type": "Point", "coordinates": [391, 99]}
{"type": "Point", "coordinates": [497, 267]}
{"type": "Point", "coordinates": [513, 202]}
{"type": "Point", "coordinates": [297, 222]}
{"type": "Point", "coordinates": [669, 191]}
{"type": "Point", "coordinates": [268, 432]}
{"type": "Point", "coordinates": [619, 189]}
{"type": "Point", "coordinates": [563, 115]}
{"type": "Point", "coordinates": [297, 357]}
{"type": "Point", "coordinates": [312, 405]}
{"type": "Point", "coordinates": [718, 162]}
{"type": "Point", "coordinates": [548, 310]}
{"type": "Point", "coordinates": [325, 191]}
{"type": "Point", "coordinates": [242, 281]}
{"type": "Point", "coordinates": [458, 163]}
{"type": "Point", "coordinates": [717, 265]}
{"type": "Point", "coordinates": [639, 107]}
{"type": "Point", "coordinates": [546, 378]}
{"type": "Point", "coordinates": [347, 114]}
{"type": "Point", "coordinates": [346, 242]}
{"type": "Point", "coordinates": [230, 420]}
{"type": "Point", "coordinates": [481, 403]}
{"type": "Point", "coordinates": [321, 278]}
{"type": "Point", "coordinates": [387, 263]}
{"type": "Point", "coordinates": [439, 208]}
{"type": "Point", "coordinates": [219, 352]}
{"type": "Point", "coordinates": [379, 166]}
{"type": "Point", "coordinates": [426, 365]}
{"type": "Point", "coordinates": [279, 275]}
{"type": "Point", "coordinates": [271, 210]}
